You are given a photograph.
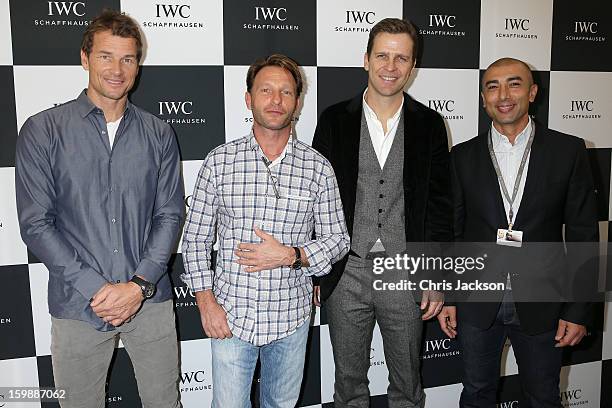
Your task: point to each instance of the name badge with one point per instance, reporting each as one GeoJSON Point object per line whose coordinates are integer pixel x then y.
{"type": "Point", "coordinates": [511, 238]}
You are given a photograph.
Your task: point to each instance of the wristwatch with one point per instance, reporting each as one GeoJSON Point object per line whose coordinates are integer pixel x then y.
{"type": "Point", "coordinates": [147, 288]}
{"type": "Point", "coordinates": [297, 264]}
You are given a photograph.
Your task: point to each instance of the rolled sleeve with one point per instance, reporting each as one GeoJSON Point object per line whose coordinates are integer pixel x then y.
{"type": "Point", "coordinates": [199, 234]}
{"type": "Point", "coordinates": [331, 241]}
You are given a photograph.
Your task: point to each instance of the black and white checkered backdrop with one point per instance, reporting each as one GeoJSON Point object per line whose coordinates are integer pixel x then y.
{"type": "Point", "coordinates": [198, 52]}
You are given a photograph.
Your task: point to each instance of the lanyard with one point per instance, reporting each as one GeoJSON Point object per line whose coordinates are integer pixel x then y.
{"type": "Point", "coordinates": [519, 175]}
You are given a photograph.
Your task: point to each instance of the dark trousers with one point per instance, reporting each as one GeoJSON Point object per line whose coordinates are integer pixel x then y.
{"type": "Point", "coordinates": [539, 362]}
{"type": "Point", "coordinates": [352, 310]}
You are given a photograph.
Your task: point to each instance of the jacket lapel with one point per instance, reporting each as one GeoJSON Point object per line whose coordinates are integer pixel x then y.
{"type": "Point", "coordinates": [491, 183]}
{"type": "Point", "coordinates": [351, 134]}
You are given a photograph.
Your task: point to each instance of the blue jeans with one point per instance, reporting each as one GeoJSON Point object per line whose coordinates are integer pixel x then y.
{"type": "Point", "coordinates": [282, 367]}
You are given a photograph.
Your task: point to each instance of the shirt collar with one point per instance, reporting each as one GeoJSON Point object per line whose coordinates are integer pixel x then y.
{"type": "Point", "coordinates": [85, 106]}
{"type": "Point", "coordinates": [370, 112]}
{"type": "Point", "coordinates": [253, 145]}
{"type": "Point", "coordinates": [520, 140]}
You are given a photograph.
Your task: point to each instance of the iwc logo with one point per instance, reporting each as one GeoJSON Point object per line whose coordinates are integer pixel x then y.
{"type": "Point", "coordinates": [442, 25]}
{"type": "Point", "coordinates": [517, 27]}
{"type": "Point", "coordinates": [446, 107]}
{"type": "Point", "coordinates": [582, 109]}
{"type": "Point", "coordinates": [585, 31]}
{"type": "Point", "coordinates": [184, 297]}
{"type": "Point", "coordinates": [172, 16]}
{"type": "Point", "coordinates": [178, 112]}
{"type": "Point", "coordinates": [573, 398]}
{"type": "Point", "coordinates": [438, 348]}
{"type": "Point", "coordinates": [270, 18]}
{"type": "Point", "coordinates": [195, 381]}
{"type": "Point", "coordinates": [373, 360]}
{"type": "Point", "coordinates": [360, 21]}
{"type": "Point", "coordinates": [64, 13]}
{"type": "Point", "coordinates": [508, 404]}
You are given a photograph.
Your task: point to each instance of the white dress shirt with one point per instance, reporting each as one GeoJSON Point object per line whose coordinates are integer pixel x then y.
{"type": "Point", "coordinates": [509, 159]}
{"type": "Point", "coordinates": [380, 140]}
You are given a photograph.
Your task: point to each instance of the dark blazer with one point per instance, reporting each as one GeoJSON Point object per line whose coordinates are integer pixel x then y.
{"type": "Point", "coordinates": [558, 190]}
{"type": "Point", "coordinates": [427, 198]}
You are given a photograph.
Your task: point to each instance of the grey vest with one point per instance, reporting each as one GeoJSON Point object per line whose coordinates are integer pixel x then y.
{"type": "Point", "coordinates": [379, 204]}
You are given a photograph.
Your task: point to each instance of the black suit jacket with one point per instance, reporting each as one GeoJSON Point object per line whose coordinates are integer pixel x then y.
{"type": "Point", "coordinates": [427, 198]}
{"type": "Point", "coordinates": [558, 190]}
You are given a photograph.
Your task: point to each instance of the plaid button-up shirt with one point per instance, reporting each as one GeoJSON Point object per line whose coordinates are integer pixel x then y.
{"type": "Point", "coordinates": [233, 193]}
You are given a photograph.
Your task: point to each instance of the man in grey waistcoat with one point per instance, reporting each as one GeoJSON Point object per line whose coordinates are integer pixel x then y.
{"type": "Point", "coordinates": [390, 156]}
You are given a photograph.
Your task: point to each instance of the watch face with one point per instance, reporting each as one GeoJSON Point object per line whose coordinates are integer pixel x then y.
{"type": "Point", "coordinates": [149, 290]}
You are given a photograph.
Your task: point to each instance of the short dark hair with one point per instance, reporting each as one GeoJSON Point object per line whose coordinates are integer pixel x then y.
{"type": "Point", "coordinates": [118, 24]}
{"type": "Point", "coordinates": [276, 60]}
{"type": "Point", "coordinates": [394, 26]}
{"type": "Point", "coordinates": [508, 61]}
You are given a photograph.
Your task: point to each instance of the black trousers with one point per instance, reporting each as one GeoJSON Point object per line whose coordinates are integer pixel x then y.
{"type": "Point", "coordinates": [539, 362]}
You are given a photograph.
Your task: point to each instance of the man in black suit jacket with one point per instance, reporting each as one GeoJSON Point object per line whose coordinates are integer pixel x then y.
{"type": "Point", "coordinates": [390, 156]}
{"type": "Point", "coordinates": [554, 189]}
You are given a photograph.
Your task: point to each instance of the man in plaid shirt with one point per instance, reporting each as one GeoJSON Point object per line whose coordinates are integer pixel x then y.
{"type": "Point", "coordinates": [272, 204]}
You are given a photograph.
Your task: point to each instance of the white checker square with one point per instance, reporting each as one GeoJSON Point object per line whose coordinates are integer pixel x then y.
{"type": "Point", "coordinates": [39, 278]}
{"type": "Point", "coordinates": [19, 372]}
{"type": "Point", "coordinates": [38, 88]}
{"type": "Point", "coordinates": [581, 385]}
{"type": "Point", "coordinates": [581, 105]}
{"type": "Point", "coordinates": [454, 94]}
{"type": "Point", "coordinates": [189, 33]}
{"type": "Point", "coordinates": [521, 29]}
{"type": "Point", "coordinates": [6, 46]}
{"type": "Point", "coordinates": [239, 120]}
{"type": "Point", "coordinates": [377, 375]}
{"type": "Point", "coordinates": [195, 383]}
{"type": "Point", "coordinates": [444, 396]}
{"type": "Point", "coordinates": [508, 361]}
{"type": "Point", "coordinates": [12, 249]}
{"type": "Point", "coordinates": [343, 27]}
{"type": "Point", "coordinates": [606, 352]}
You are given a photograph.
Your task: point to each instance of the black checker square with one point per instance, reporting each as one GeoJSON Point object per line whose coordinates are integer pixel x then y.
{"type": "Point", "coordinates": [190, 99]}
{"type": "Point", "coordinates": [188, 321]}
{"type": "Point", "coordinates": [121, 387]}
{"type": "Point", "coordinates": [45, 378]}
{"type": "Point", "coordinates": [538, 109]}
{"type": "Point", "coordinates": [254, 29]}
{"type": "Point", "coordinates": [581, 36]}
{"type": "Point", "coordinates": [8, 118]}
{"type": "Point", "coordinates": [310, 394]}
{"type": "Point", "coordinates": [606, 390]}
{"type": "Point", "coordinates": [50, 32]}
{"type": "Point", "coordinates": [338, 84]}
{"type": "Point", "coordinates": [441, 357]}
{"type": "Point", "coordinates": [16, 327]}
{"type": "Point", "coordinates": [449, 32]}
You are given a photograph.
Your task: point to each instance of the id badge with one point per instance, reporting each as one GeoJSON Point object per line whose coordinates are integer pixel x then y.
{"type": "Point", "coordinates": [511, 238]}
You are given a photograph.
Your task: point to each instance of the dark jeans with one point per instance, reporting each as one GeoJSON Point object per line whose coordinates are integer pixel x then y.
{"type": "Point", "coordinates": [539, 362]}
